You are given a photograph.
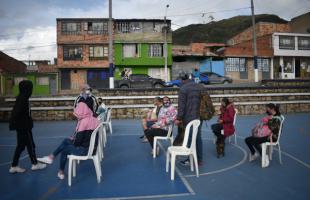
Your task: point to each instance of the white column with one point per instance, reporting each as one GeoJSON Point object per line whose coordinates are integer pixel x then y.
{"type": "Point", "coordinates": [271, 69]}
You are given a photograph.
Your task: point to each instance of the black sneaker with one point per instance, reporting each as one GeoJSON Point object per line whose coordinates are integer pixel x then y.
{"type": "Point", "coordinates": [185, 162]}
{"type": "Point", "coordinates": [141, 137]}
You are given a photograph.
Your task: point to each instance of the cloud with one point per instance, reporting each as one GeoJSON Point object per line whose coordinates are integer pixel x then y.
{"type": "Point", "coordinates": [33, 22]}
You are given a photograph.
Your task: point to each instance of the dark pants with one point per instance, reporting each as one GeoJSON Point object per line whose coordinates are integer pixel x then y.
{"type": "Point", "coordinates": [217, 128]}
{"type": "Point", "coordinates": [24, 139]}
{"type": "Point", "coordinates": [67, 148]}
{"type": "Point", "coordinates": [255, 142]}
{"type": "Point", "coordinates": [151, 133]}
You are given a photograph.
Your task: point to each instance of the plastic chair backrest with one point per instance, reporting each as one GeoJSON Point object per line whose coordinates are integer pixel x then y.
{"type": "Point", "coordinates": [194, 124]}
{"type": "Point", "coordinates": [280, 129]}
{"type": "Point", "coordinates": [235, 116]}
{"type": "Point", "coordinates": [92, 142]}
{"type": "Point", "coordinates": [108, 118]}
{"type": "Point", "coordinates": [170, 130]}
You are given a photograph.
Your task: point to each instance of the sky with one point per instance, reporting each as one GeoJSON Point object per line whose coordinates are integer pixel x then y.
{"type": "Point", "coordinates": [28, 27]}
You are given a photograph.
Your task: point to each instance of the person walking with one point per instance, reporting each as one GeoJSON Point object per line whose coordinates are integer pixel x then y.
{"type": "Point", "coordinates": [22, 122]}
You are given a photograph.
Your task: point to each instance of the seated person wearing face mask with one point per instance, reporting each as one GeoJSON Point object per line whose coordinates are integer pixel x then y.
{"type": "Point", "coordinates": [264, 131]}
{"type": "Point", "coordinates": [166, 116]}
{"type": "Point", "coordinates": [87, 97]}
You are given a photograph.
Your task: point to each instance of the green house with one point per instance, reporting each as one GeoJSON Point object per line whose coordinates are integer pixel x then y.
{"type": "Point", "coordinates": [43, 83]}
{"type": "Point", "coordinates": [139, 45]}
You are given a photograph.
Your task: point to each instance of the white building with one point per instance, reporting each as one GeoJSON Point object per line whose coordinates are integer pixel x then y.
{"type": "Point", "coordinates": [292, 53]}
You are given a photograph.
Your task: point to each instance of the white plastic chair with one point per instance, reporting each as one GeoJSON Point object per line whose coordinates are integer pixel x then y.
{"type": "Point", "coordinates": [270, 145]}
{"type": "Point", "coordinates": [74, 158]}
{"type": "Point", "coordinates": [108, 122]}
{"type": "Point", "coordinates": [168, 137]}
{"type": "Point", "coordinates": [183, 150]}
{"type": "Point", "coordinates": [102, 140]}
{"type": "Point", "coordinates": [235, 134]}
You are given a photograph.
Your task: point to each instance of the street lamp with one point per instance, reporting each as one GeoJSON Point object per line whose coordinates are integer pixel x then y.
{"type": "Point", "coordinates": [111, 66]}
{"type": "Point", "coordinates": [165, 45]}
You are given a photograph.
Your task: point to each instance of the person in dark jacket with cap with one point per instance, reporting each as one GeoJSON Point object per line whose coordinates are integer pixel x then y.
{"type": "Point", "coordinates": [188, 109]}
{"type": "Point", "coordinates": [21, 121]}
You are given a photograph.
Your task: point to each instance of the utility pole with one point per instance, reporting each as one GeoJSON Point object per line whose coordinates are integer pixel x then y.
{"type": "Point", "coordinates": [111, 65]}
{"type": "Point", "coordinates": [165, 45]}
{"type": "Point", "coordinates": [254, 44]}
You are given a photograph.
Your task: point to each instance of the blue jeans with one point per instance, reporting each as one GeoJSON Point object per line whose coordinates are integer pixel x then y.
{"type": "Point", "coordinates": [67, 148]}
{"type": "Point", "coordinates": [198, 141]}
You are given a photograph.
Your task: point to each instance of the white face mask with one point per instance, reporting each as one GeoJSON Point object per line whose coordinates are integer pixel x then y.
{"type": "Point", "coordinates": [87, 91]}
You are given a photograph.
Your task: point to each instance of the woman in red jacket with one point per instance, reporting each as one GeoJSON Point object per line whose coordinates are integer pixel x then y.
{"type": "Point", "coordinates": [224, 122]}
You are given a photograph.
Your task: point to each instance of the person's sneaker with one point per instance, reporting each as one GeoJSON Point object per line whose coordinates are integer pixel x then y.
{"type": "Point", "coordinates": [38, 166]}
{"type": "Point", "coordinates": [142, 136]}
{"type": "Point", "coordinates": [144, 139]}
{"type": "Point", "coordinates": [61, 176]}
{"type": "Point", "coordinates": [16, 169]}
{"type": "Point", "coordinates": [46, 159]}
{"type": "Point", "coordinates": [253, 157]}
{"type": "Point", "coordinates": [185, 162]}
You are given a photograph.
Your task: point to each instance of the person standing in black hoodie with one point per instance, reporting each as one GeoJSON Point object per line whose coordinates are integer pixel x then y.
{"type": "Point", "coordinates": [21, 121]}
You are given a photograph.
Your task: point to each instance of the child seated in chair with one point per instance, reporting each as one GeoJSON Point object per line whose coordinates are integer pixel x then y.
{"type": "Point", "coordinates": [77, 144]}
{"type": "Point", "coordinates": [266, 130]}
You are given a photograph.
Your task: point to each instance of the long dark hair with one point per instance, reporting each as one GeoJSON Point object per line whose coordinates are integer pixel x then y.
{"type": "Point", "coordinates": [226, 101]}
{"type": "Point", "coordinates": [275, 107]}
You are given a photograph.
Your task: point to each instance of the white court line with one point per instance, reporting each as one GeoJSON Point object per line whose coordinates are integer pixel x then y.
{"type": "Point", "coordinates": [187, 185]}
{"type": "Point", "coordinates": [142, 197]}
{"type": "Point", "coordinates": [10, 162]}
{"type": "Point", "coordinates": [227, 168]}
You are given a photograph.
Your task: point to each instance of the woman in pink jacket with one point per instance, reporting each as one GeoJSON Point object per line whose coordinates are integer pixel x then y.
{"type": "Point", "coordinates": [225, 122]}
{"type": "Point", "coordinates": [77, 144]}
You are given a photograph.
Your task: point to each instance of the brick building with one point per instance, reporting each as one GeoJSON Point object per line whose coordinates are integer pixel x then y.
{"type": "Point", "coordinates": [82, 52]}
{"type": "Point", "coordinates": [238, 56]}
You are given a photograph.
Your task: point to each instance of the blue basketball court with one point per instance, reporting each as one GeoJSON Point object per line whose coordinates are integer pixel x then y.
{"type": "Point", "coordinates": [130, 172]}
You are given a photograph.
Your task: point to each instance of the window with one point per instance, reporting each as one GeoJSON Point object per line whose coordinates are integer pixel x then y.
{"type": "Point", "coordinates": [286, 42]}
{"type": "Point", "coordinates": [131, 50]}
{"type": "Point", "coordinates": [71, 28]}
{"type": "Point", "coordinates": [156, 50]}
{"type": "Point", "coordinates": [123, 27]}
{"type": "Point", "coordinates": [98, 52]}
{"type": "Point", "coordinates": [235, 65]}
{"type": "Point", "coordinates": [304, 43]}
{"type": "Point", "coordinates": [42, 80]}
{"type": "Point", "coordinates": [17, 80]}
{"type": "Point", "coordinates": [263, 64]}
{"type": "Point", "coordinates": [73, 53]}
{"type": "Point", "coordinates": [96, 28]}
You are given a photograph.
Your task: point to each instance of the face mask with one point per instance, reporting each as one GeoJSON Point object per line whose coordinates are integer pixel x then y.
{"type": "Point", "coordinates": [167, 104]}
{"type": "Point", "coordinates": [87, 92]}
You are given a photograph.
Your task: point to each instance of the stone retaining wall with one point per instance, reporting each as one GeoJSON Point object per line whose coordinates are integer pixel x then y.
{"type": "Point", "coordinates": [134, 103]}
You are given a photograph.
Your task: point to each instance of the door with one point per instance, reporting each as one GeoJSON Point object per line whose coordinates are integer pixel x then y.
{"type": "Point", "coordinates": [65, 79]}
{"type": "Point", "coordinates": [243, 69]}
{"type": "Point", "coordinates": [297, 68]}
{"type": "Point", "coordinates": [98, 78]}
{"type": "Point", "coordinates": [53, 85]}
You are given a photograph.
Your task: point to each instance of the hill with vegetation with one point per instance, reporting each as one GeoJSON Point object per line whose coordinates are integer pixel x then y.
{"type": "Point", "coordinates": [219, 31]}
